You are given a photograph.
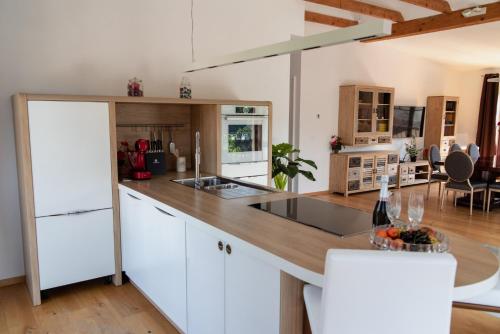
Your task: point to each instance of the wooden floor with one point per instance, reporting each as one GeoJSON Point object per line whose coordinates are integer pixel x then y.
{"type": "Point", "coordinates": [93, 307]}
{"type": "Point", "coordinates": [90, 307]}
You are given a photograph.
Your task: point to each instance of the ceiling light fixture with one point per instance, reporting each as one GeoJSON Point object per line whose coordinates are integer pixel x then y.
{"type": "Point", "coordinates": [358, 32]}
{"type": "Point", "coordinates": [476, 11]}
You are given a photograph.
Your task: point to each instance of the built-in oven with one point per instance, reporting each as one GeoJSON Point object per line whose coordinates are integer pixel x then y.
{"type": "Point", "coordinates": [244, 134]}
{"type": "Point", "coordinates": [244, 143]}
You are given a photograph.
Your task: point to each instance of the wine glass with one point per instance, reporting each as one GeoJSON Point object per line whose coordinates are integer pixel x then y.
{"type": "Point", "coordinates": [394, 206]}
{"type": "Point", "coordinates": [415, 208]}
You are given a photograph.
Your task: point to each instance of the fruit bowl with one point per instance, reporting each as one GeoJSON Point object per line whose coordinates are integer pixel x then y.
{"type": "Point", "coordinates": [400, 237]}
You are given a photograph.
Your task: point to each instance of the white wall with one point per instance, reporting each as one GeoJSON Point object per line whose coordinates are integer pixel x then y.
{"type": "Point", "coordinates": [324, 70]}
{"type": "Point", "coordinates": [94, 47]}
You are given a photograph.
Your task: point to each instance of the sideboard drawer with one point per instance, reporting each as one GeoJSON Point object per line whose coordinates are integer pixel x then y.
{"type": "Point", "coordinates": [411, 169]}
{"type": "Point", "coordinates": [353, 185]}
{"type": "Point", "coordinates": [361, 140]}
{"type": "Point", "coordinates": [392, 169]}
{"type": "Point", "coordinates": [393, 158]}
{"type": "Point", "coordinates": [354, 162]}
{"type": "Point", "coordinates": [403, 170]}
{"type": "Point", "coordinates": [354, 173]}
{"type": "Point", "coordinates": [384, 140]}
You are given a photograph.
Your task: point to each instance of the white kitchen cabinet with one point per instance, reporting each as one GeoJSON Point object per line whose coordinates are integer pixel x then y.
{"type": "Point", "coordinates": [74, 248]}
{"type": "Point", "coordinates": [154, 253]}
{"type": "Point", "coordinates": [241, 291]}
{"type": "Point", "coordinates": [252, 295]}
{"type": "Point", "coordinates": [165, 258]}
{"type": "Point", "coordinates": [129, 213]}
{"type": "Point", "coordinates": [205, 282]}
{"type": "Point", "coordinates": [70, 156]}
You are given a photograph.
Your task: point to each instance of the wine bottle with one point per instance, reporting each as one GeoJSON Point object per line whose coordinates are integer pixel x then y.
{"type": "Point", "coordinates": [380, 216]}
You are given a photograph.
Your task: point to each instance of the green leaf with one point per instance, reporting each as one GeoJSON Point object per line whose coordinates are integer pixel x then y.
{"type": "Point", "coordinates": [309, 162]}
{"type": "Point", "coordinates": [307, 174]}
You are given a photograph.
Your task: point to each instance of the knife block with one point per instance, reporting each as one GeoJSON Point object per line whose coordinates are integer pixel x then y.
{"type": "Point", "coordinates": [155, 163]}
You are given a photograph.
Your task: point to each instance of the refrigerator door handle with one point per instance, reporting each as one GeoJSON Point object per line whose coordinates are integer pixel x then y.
{"type": "Point", "coordinates": [73, 213]}
{"type": "Point", "coordinates": [82, 212]}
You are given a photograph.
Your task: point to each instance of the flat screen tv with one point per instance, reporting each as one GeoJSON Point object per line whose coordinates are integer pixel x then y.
{"type": "Point", "coordinates": [408, 122]}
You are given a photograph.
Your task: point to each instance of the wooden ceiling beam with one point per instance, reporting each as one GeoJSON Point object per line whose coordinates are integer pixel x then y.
{"type": "Point", "coordinates": [329, 20]}
{"type": "Point", "coordinates": [440, 22]}
{"type": "Point", "coordinates": [441, 6]}
{"type": "Point", "coordinates": [362, 8]}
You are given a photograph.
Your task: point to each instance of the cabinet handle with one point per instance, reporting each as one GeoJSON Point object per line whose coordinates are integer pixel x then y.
{"type": "Point", "coordinates": [137, 198]}
{"type": "Point", "coordinates": [228, 249]}
{"type": "Point", "coordinates": [221, 245]}
{"type": "Point", "coordinates": [164, 212]}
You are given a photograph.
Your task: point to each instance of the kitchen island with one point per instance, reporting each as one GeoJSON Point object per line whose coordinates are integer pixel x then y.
{"type": "Point", "coordinates": [287, 253]}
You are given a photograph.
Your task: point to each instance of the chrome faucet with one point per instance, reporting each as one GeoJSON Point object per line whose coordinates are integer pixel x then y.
{"type": "Point", "coordinates": [197, 155]}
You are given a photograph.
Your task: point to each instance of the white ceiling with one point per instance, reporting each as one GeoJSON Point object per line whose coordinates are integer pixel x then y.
{"type": "Point", "coordinates": [474, 47]}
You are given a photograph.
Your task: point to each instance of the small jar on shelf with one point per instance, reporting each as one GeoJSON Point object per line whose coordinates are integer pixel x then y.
{"type": "Point", "coordinates": [135, 87]}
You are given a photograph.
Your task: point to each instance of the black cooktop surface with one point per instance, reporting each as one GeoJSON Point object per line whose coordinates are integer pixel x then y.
{"type": "Point", "coordinates": [339, 220]}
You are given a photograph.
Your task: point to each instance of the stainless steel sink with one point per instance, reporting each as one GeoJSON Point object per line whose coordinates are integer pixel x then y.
{"type": "Point", "coordinates": [225, 188]}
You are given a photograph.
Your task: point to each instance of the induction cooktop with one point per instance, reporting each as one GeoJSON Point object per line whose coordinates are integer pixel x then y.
{"type": "Point", "coordinates": [332, 218]}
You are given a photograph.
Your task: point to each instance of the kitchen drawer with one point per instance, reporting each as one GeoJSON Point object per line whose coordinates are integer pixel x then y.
{"type": "Point", "coordinates": [411, 178]}
{"type": "Point", "coordinates": [75, 248]}
{"type": "Point", "coordinates": [411, 169]}
{"type": "Point", "coordinates": [362, 140]}
{"type": "Point", "coordinates": [373, 141]}
{"type": "Point", "coordinates": [403, 179]}
{"type": "Point", "coordinates": [354, 162]}
{"type": "Point", "coordinates": [392, 169]}
{"type": "Point", "coordinates": [392, 158]}
{"type": "Point", "coordinates": [245, 169]}
{"type": "Point", "coordinates": [354, 173]}
{"type": "Point", "coordinates": [384, 139]}
{"type": "Point", "coordinates": [403, 170]}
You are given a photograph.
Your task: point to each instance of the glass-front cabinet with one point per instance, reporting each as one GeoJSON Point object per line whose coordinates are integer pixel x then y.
{"type": "Point", "coordinates": [366, 115]}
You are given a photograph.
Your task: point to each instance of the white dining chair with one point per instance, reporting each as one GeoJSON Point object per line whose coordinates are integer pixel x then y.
{"type": "Point", "coordinates": [382, 292]}
{"type": "Point", "coordinates": [490, 298]}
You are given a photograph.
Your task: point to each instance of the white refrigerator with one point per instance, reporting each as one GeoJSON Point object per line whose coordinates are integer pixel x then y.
{"type": "Point", "coordinates": [72, 186]}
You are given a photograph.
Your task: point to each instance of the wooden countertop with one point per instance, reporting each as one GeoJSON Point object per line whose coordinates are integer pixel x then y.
{"type": "Point", "coordinates": [296, 243]}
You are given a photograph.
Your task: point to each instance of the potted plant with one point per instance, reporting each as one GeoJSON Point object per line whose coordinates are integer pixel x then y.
{"type": "Point", "coordinates": [284, 167]}
{"type": "Point", "coordinates": [412, 150]}
{"type": "Point", "coordinates": [336, 143]}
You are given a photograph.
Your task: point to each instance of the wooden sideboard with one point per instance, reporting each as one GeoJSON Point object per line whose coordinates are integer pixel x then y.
{"type": "Point", "coordinates": [413, 173]}
{"type": "Point", "coordinates": [354, 172]}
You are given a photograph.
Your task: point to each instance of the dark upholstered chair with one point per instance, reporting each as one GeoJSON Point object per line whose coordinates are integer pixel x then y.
{"type": "Point", "coordinates": [459, 167]}
{"type": "Point", "coordinates": [473, 152]}
{"type": "Point", "coordinates": [454, 148]}
{"type": "Point", "coordinates": [435, 173]}
{"type": "Point", "coordinates": [493, 188]}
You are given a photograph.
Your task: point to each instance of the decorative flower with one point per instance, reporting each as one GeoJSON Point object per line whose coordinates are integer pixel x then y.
{"type": "Point", "coordinates": [336, 143]}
